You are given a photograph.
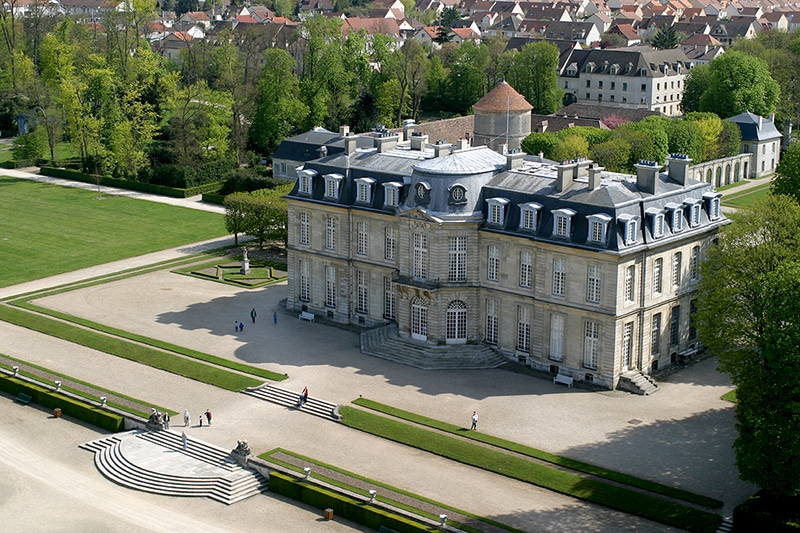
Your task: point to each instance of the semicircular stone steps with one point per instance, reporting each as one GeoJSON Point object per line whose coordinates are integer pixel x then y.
{"type": "Point", "coordinates": [155, 461]}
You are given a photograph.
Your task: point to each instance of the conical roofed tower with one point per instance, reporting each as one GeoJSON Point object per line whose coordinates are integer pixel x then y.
{"type": "Point", "coordinates": [502, 116]}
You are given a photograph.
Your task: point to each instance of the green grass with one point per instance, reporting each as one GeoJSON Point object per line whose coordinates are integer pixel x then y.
{"type": "Point", "coordinates": [50, 230]}
{"type": "Point", "coordinates": [168, 362]}
{"type": "Point", "coordinates": [572, 464]}
{"type": "Point", "coordinates": [730, 396]}
{"type": "Point", "coordinates": [523, 469]}
{"type": "Point", "coordinates": [752, 196]}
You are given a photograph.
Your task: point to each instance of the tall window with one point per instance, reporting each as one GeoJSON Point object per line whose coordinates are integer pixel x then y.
{"type": "Point", "coordinates": [630, 283]}
{"type": "Point", "coordinates": [695, 263]}
{"type": "Point", "coordinates": [655, 334]}
{"type": "Point", "coordinates": [525, 268]}
{"type": "Point", "coordinates": [305, 228]}
{"type": "Point", "coordinates": [598, 227]}
{"type": "Point", "coordinates": [390, 243]}
{"type": "Point", "coordinates": [523, 328]}
{"type": "Point", "coordinates": [692, 311]}
{"type": "Point", "coordinates": [362, 238]}
{"type": "Point", "coordinates": [457, 259]}
{"type": "Point", "coordinates": [630, 232]}
{"type": "Point", "coordinates": [497, 214]}
{"type": "Point", "coordinates": [593, 284]}
{"type": "Point", "coordinates": [557, 337]}
{"type": "Point", "coordinates": [559, 277]}
{"type": "Point", "coordinates": [330, 233]}
{"type": "Point", "coordinates": [597, 231]}
{"type": "Point", "coordinates": [305, 282]}
{"type": "Point", "coordinates": [493, 265]}
{"type": "Point", "coordinates": [392, 193]}
{"type": "Point", "coordinates": [676, 269]}
{"type": "Point", "coordinates": [627, 334]}
{"type": "Point", "coordinates": [362, 283]}
{"type": "Point", "coordinates": [562, 222]}
{"type": "Point", "coordinates": [677, 220]}
{"type": "Point", "coordinates": [420, 242]}
{"type": "Point", "coordinates": [529, 216]}
{"type": "Point", "coordinates": [388, 297]}
{"type": "Point", "coordinates": [330, 286]}
{"type": "Point", "coordinates": [658, 225]}
{"type": "Point", "coordinates": [695, 220]}
{"type": "Point", "coordinates": [492, 321]}
{"type": "Point", "coordinates": [364, 190]}
{"type": "Point", "coordinates": [658, 268]}
{"type": "Point", "coordinates": [674, 326]}
{"type": "Point", "coordinates": [591, 343]}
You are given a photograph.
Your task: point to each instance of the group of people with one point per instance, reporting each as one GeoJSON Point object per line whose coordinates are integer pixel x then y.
{"type": "Point", "coordinates": [303, 397]}
{"type": "Point", "coordinates": [187, 418]}
{"type": "Point", "coordinates": [238, 326]}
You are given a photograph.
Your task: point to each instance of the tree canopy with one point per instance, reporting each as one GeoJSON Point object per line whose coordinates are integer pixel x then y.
{"type": "Point", "coordinates": [787, 178]}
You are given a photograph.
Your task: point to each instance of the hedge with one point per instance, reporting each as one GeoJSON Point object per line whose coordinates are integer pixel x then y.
{"type": "Point", "coordinates": [69, 406]}
{"type": "Point", "coordinates": [17, 164]}
{"type": "Point", "coordinates": [349, 508]}
{"type": "Point", "coordinates": [213, 198]}
{"type": "Point", "coordinates": [129, 185]}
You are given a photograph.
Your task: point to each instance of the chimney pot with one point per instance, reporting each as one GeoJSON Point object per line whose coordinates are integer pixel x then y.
{"type": "Point", "coordinates": [344, 130]}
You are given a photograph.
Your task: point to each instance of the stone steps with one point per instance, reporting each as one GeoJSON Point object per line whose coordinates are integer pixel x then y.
{"type": "Point", "coordinates": [289, 399]}
{"type": "Point", "coordinates": [384, 342]}
{"type": "Point", "coordinates": [130, 459]}
{"type": "Point", "coordinates": [637, 383]}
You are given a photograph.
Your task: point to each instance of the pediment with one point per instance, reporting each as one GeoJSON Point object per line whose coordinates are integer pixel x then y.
{"type": "Point", "coordinates": [418, 213]}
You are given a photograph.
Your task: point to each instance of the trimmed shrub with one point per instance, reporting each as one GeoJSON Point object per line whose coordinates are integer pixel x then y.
{"type": "Point", "coordinates": [128, 184]}
{"type": "Point", "coordinates": [765, 513]}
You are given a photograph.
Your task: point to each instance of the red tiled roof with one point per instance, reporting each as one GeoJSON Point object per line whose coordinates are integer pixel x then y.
{"type": "Point", "coordinates": [502, 98]}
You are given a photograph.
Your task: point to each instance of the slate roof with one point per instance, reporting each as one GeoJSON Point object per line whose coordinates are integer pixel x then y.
{"type": "Point", "coordinates": [304, 147]}
{"type": "Point", "coordinates": [755, 128]}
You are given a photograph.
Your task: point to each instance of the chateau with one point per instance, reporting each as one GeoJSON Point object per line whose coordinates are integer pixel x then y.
{"type": "Point", "coordinates": [564, 267]}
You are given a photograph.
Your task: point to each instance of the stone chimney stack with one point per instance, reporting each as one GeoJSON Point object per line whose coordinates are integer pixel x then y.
{"type": "Point", "coordinates": [565, 176]}
{"type": "Point", "coordinates": [385, 141]}
{"type": "Point", "coordinates": [647, 176]}
{"type": "Point", "coordinates": [514, 159]}
{"type": "Point", "coordinates": [595, 174]}
{"type": "Point", "coordinates": [322, 151]}
{"type": "Point", "coordinates": [582, 165]}
{"type": "Point", "coordinates": [462, 144]}
{"type": "Point", "coordinates": [679, 168]}
{"type": "Point", "coordinates": [418, 140]}
{"type": "Point", "coordinates": [344, 130]}
{"type": "Point", "coordinates": [350, 143]}
{"type": "Point", "coordinates": [441, 148]}
{"type": "Point", "coordinates": [408, 128]}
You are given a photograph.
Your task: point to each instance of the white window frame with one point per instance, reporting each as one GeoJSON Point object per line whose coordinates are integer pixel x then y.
{"type": "Point", "coordinates": [525, 269]}
{"type": "Point", "coordinates": [559, 277]}
{"type": "Point", "coordinates": [391, 194]}
{"type": "Point", "coordinates": [496, 215]}
{"type": "Point", "coordinates": [524, 313]}
{"type": "Point", "coordinates": [655, 334]}
{"type": "Point", "coordinates": [388, 297]}
{"type": "Point", "coordinates": [493, 262]}
{"type": "Point", "coordinates": [492, 321]}
{"type": "Point", "coordinates": [305, 228]}
{"type": "Point", "coordinates": [305, 282]}
{"type": "Point", "coordinates": [677, 259]}
{"type": "Point", "coordinates": [591, 344]}
{"type": "Point", "coordinates": [627, 344]}
{"type": "Point", "coordinates": [306, 179]}
{"type": "Point", "coordinates": [658, 275]}
{"type": "Point", "coordinates": [330, 286]}
{"type": "Point", "coordinates": [598, 228]}
{"type": "Point", "coordinates": [362, 238]}
{"type": "Point", "coordinates": [557, 336]}
{"type": "Point", "coordinates": [362, 285]}
{"type": "Point", "coordinates": [330, 233]}
{"type": "Point", "coordinates": [332, 185]}
{"type": "Point", "coordinates": [694, 212]}
{"type": "Point", "coordinates": [714, 209]}
{"type": "Point", "coordinates": [457, 259]}
{"type": "Point", "coordinates": [562, 223]}
{"type": "Point", "coordinates": [630, 228]}
{"type": "Point", "coordinates": [529, 216]}
{"type": "Point", "coordinates": [390, 243]}
{"type": "Point", "coordinates": [676, 217]}
{"type": "Point", "coordinates": [630, 283]}
{"type": "Point", "coordinates": [593, 283]}
{"type": "Point", "coordinates": [364, 188]}
{"type": "Point", "coordinates": [420, 259]}
{"type": "Point", "coordinates": [656, 222]}
{"type": "Point", "coordinates": [694, 264]}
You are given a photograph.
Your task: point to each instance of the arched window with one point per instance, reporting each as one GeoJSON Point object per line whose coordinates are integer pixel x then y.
{"type": "Point", "coordinates": [419, 319]}
{"type": "Point", "coordinates": [456, 322]}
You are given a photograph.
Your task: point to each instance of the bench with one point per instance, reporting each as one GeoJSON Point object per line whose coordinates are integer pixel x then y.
{"type": "Point", "coordinates": [23, 398]}
{"type": "Point", "coordinates": [305, 315]}
{"type": "Point", "coordinates": [561, 378]}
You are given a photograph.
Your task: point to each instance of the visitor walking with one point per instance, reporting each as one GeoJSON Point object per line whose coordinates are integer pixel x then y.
{"type": "Point", "coordinates": [184, 439]}
{"type": "Point", "coordinates": [305, 395]}
{"type": "Point", "coordinates": [253, 315]}
{"type": "Point", "coordinates": [241, 326]}
{"type": "Point", "coordinates": [274, 317]}
{"type": "Point", "coordinates": [208, 416]}
{"type": "Point", "coordinates": [186, 418]}
{"type": "Point", "coordinates": [201, 420]}
{"type": "Point", "coordinates": [166, 420]}
{"type": "Point", "coordinates": [474, 420]}
{"type": "Point", "coordinates": [236, 326]}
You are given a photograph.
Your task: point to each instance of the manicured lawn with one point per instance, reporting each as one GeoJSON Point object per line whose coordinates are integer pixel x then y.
{"type": "Point", "coordinates": [752, 196]}
{"type": "Point", "coordinates": [48, 229]}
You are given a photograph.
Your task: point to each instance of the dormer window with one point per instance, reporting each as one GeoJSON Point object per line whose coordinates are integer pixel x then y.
{"type": "Point", "coordinates": [391, 194]}
{"type": "Point", "coordinates": [458, 194]}
{"type": "Point", "coordinates": [572, 69]}
{"type": "Point", "coordinates": [630, 227]}
{"type": "Point", "coordinates": [332, 183]}
{"type": "Point", "coordinates": [305, 178]}
{"type": "Point", "coordinates": [656, 221]}
{"type": "Point", "coordinates": [562, 222]}
{"type": "Point", "coordinates": [590, 67]}
{"type": "Point", "coordinates": [364, 190]}
{"type": "Point", "coordinates": [675, 217]}
{"type": "Point", "coordinates": [614, 69]}
{"type": "Point", "coordinates": [694, 212]}
{"type": "Point", "coordinates": [713, 205]}
{"type": "Point", "coordinates": [529, 216]}
{"type": "Point", "coordinates": [497, 211]}
{"type": "Point", "coordinates": [598, 228]}
{"type": "Point", "coordinates": [423, 192]}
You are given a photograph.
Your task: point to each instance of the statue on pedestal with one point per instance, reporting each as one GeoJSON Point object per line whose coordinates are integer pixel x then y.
{"type": "Point", "coordinates": [241, 452]}
{"type": "Point", "coordinates": [245, 262]}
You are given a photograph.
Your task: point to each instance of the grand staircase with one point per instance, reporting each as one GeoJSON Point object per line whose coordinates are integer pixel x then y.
{"type": "Point", "coordinates": [289, 399]}
{"type": "Point", "coordinates": [155, 461]}
{"type": "Point", "coordinates": [637, 383]}
{"type": "Point", "coordinates": [384, 342]}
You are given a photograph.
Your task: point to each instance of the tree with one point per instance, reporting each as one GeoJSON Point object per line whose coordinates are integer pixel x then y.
{"type": "Point", "coordinates": [544, 142]}
{"type": "Point", "coordinates": [466, 82]}
{"type": "Point", "coordinates": [710, 126]}
{"type": "Point", "coordinates": [747, 315]}
{"type": "Point", "coordinates": [533, 71]}
{"type": "Point", "coordinates": [449, 16]}
{"type": "Point", "coordinates": [787, 179]}
{"type": "Point", "coordinates": [697, 82]}
{"type": "Point", "coordinates": [409, 67]}
{"type": "Point", "coordinates": [234, 214]}
{"type": "Point", "coordinates": [738, 83]}
{"type": "Point", "coordinates": [266, 215]}
{"type": "Point", "coordinates": [614, 155]}
{"type": "Point", "coordinates": [665, 38]}
{"type": "Point", "coordinates": [571, 147]}
{"type": "Point", "coordinates": [685, 138]}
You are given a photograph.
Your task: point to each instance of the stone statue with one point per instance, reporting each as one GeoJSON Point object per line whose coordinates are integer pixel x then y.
{"type": "Point", "coordinates": [156, 421]}
{"type": "Point", "coordinates": [245, 262]}
{"type": "Point", "coordinates": [244, 253]}
{"type": "Point", "coordinates": [241, 452]}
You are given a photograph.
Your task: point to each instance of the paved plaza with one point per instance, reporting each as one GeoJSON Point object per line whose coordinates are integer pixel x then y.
{"type": "Point", "coordinates": [680, 436]}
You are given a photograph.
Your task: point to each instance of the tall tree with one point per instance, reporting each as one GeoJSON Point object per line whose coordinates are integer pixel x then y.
{"type": "Point", "coordinates": [534, 73]}
{"type": "Point", "coordinates": [747, 316]}
{"type": "Point", "coordinates": [666, 37]}
{"type": "Point", "coordinates": [787, 179]}
{"type": "Point", "coordinates": [466, 82]}
{"type": "Point", "coordinates": [409, 67]}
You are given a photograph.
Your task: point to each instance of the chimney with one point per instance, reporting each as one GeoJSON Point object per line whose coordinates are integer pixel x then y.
{"type": "Point", "coordinates": [385, 142]}
{"type": "Point", "coordinates": [502, 148]}
{"type": "Point", "coordinates": [514, 159]}
{"type": "Point", "coordinates": [322, 151]}
{"type": "Point", "coordinates": [408, 128]}
{"type": "Point", "coordinates": [344, 130]}
{"type": "Point", "coordinates": [441, 148]}
{"type": "Point", "coordinates": [582, 167]}
{"type": "Point", "coordinates": [418, 140]}
{"type": "Point", "coordinates": [565, 175]}
{"type": "Point", "coordinates": [772, 117]}
{"type": "Point", "coordinates": [462, 144]}
{"type": "Point", "coordinates": [350, 143]}
{"type": "Point", "coordinates": [760, 122]}
{"type": "Point", "coordinates": [678, 168]}
{"type": "Point", "coordinates": [595, 174]}
{"type": "Point", "coordinates": [647, 176]}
